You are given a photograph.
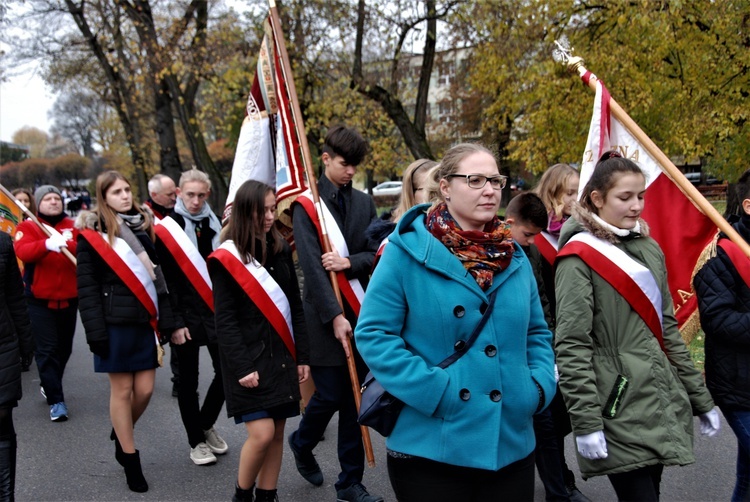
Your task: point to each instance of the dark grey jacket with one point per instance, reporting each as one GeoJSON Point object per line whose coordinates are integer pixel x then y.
{"type": "Point", "coordinates": [320, 303]}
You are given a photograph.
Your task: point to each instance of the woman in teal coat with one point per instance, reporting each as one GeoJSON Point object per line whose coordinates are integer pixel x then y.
{"type": "Point", "coordinates": [466, 431]}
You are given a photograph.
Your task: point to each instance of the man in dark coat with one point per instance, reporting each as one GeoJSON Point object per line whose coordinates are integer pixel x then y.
{"type": "Point", "coordinates": [328, 325]}
{"type": "Point", "coordinates": [162, 195]}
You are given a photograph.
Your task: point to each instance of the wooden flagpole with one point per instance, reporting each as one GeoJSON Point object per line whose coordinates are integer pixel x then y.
{"type": "Point", "coordinates": [33, 218]}
{"type": "Point", "coordinates": [575, 64]}
{"type": "Point", "coordinates": [280, 43]}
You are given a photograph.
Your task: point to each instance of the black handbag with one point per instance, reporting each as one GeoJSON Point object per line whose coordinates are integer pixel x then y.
{"type": "Point", "coordinates": [379, 410]}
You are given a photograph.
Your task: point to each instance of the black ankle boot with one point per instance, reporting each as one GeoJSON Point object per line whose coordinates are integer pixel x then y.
{"type": "Point", "coordinates": [133, 472]}
{"type": "Point", "coordinates": [241, 495]}
{"type": "Point", "coordinates": [118, 448]}
{"type": "Point", "coordinates": [7, 467]}
{"type": "Point", "coordinates": [266, 495]}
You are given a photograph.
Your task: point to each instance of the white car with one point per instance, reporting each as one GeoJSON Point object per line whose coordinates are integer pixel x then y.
{"type": "Point", "coordinates": [387, 188]}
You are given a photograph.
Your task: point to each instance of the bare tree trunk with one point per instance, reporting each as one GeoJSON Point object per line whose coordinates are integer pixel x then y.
{"type": "Point", "coordinates": [169, 155]}
{"type": "Point", "coordinates": [121, 97]}
{"type": "Point", "coordinates": [413, 132]}
{"type": "Point", "coordinates": [184, 101]}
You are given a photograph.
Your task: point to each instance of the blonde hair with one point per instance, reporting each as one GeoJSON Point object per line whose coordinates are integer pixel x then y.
{"type": "Point", "coordinates": [194, 175]}
{"type": "Point", "coordinates": [407, 199]}
{"type": "Point", "coordinates": [106, 216]}
{"type": "Point", "coordinates": [450, 164]}
{"type": "Point", "coordinates": [552, 186]}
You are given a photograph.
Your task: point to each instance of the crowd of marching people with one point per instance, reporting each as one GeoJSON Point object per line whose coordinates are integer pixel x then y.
{"type": "Point", "coordinates": [499, 336]}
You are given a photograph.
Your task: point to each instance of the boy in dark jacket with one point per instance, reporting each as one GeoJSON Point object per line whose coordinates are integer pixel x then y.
{"type": "Point", "coordinates": [527, 217]}
{"type": "Point", "coordinates": [723, 290]}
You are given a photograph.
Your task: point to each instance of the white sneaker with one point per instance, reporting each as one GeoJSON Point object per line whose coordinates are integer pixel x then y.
{"type": "Point", "coordinates": [202, 455]}
{"type": "Point", "coordinates": [214, 441]}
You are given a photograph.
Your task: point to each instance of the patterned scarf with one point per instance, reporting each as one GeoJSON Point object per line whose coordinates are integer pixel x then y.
{"type": "Point", "coordinates": [482, 253]}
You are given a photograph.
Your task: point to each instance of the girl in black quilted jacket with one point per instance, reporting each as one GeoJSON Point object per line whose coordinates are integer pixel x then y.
{"type": "Point", "coordinates": [15, 342]}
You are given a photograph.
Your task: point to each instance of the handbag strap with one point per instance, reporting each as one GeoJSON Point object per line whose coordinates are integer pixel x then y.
{"type": "Point", "coordinates": [467, 345]}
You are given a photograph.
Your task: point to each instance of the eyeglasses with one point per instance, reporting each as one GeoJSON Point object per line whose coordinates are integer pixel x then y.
{"type": "Point", "coordinates": [478, 181]}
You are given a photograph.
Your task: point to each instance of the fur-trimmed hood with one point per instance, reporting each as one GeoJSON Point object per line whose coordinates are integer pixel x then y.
{"type": "Point", "coordinates": [87, 220]}
{"type": "Point", "coordinates": [583, 219]}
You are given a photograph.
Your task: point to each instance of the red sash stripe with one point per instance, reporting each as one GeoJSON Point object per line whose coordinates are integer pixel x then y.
{"type": "Point", "coordinates": [546, 248]}
{"type": "Point", "coordinates": [621, 282]}
{"type": "Point", "coordinates": [113, 260]}
{"type": "Point", "coordinates": [258, 295]}
{"type": "Point", "coordinates": [737, 257]}
{"type": "Point", "coordinates": [346, 289]}
{"type": "Point", "coordinates": [186, 265]}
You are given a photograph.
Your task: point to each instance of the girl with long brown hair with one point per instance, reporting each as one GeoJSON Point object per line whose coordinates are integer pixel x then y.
{"type": "Point", "coordinates": [123, 304]}
{"type": "Point", "coordinates": [261, 331]}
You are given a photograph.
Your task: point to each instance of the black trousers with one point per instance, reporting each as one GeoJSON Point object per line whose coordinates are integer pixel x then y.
{"type": "Point", "coordinates": [53, 331]}
{"type": "Point", "coordinates": [640, 485]}
{"type": "Point", "coordinates": [198, 418]}
{"type": "Point", "coordinates": [418, 479]}
{"type": "Point", "coordinates": [550, 457]}
{"type": "Point", "coordinates": [333, 393]}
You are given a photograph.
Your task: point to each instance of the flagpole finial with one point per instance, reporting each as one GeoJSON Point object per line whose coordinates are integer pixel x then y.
{"type": "Point", "coordinates": [563, 53]}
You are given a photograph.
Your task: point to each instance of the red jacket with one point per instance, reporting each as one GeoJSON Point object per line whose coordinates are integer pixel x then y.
{"type": "Point", "coordinates": [47, 275]}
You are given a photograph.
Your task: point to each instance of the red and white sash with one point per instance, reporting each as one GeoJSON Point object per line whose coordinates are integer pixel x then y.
{"type": "Point", "coordinates": [262, 289]}
{"type": "Point", "coordinates": [187, 257]}
{"type": "Point", "coordinates": [351, 289]}
{"type": "Point", "coordinates": [737, 257]}
{"type": "Point", "coordinates": [632, 280]}
{"type": "Point", "coordinates": [546, 243]}
{"type": "Point", "coordinates": [379, 253]}
{"type": "Point", "coordinates": [130, 269]}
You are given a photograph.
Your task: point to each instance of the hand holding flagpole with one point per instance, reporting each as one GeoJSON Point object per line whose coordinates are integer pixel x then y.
{"type": "Point", "coordinates": [33, 218]}
{"type": "Point", "coordinates": [563, 54]}
{"type": "Point", "coordinates": [311, 181]}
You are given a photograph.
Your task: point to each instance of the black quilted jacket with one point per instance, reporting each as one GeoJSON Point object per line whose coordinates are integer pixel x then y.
{"type": "Point", "coordinates": [15, 330]}
{"type": "Point", "coordinates": [724, 303]}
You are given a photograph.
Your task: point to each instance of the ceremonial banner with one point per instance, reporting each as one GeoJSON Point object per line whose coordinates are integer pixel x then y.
{"type": "Point", "coordinates": [10, 214]}
{"type": "Point", "coordinates": [681, 230]}
{"type": "Point", "coordinates": [268, 148]}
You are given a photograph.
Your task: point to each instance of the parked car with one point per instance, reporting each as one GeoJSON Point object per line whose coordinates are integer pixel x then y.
{"type": "Point", "coordinates": [694, 178]}
{"type": "Point", "coordinates": [387, 188]}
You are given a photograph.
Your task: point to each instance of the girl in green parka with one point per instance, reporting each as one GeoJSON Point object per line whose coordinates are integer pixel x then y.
{"type": "Point", "coordinates": [625, 373]}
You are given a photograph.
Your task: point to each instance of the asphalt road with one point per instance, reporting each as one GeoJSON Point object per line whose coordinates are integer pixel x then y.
{"type": "Point", "coordinates": [74, 460]}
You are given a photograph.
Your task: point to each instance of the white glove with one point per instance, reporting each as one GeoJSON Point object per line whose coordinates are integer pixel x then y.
{"type": "Point", "coordinates": [55, 242]}
{"type": "Point", "coordinates": [592, 446]}
{"type": "Point", "coordinates": [557, 374]}
{"type": "Point", "coordinates": [709, 423]}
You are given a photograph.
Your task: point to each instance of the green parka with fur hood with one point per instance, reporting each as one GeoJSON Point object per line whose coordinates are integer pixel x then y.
{"type": "Point", "coordinates": [599, 336]}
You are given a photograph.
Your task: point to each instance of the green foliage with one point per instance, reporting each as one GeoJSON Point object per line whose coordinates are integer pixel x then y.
{"type": "Point", "coordinates": [679, 68]}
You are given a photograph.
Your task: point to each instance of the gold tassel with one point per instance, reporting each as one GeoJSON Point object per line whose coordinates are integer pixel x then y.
{"type": "Point", "coordinates": [692, 325]}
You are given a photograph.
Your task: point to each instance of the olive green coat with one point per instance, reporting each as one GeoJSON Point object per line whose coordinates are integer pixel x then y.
{"type": "Point", "coordinates": [598, 337]}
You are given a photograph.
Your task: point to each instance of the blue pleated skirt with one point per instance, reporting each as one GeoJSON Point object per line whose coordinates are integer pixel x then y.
{"type": "Point", "coordinates": [132, 348]}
